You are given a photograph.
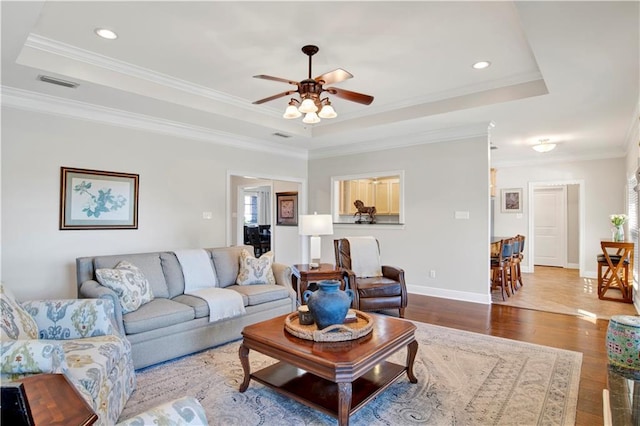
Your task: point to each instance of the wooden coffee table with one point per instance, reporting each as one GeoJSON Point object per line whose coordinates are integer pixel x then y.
{"type": "Point", "coordinates": [337, 378]}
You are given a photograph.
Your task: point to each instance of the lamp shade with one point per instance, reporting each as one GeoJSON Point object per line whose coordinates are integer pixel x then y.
{"type": "Point", "coordinates": [311, 118]}
{"type": "Point", "coordinates": [308, 105]}
{"type": "Point", "coordinates": [292, 112]}
{"type": "Point", "coordinates": [315, 224]}
{"type": "Point", "coordinates": [327, 111]}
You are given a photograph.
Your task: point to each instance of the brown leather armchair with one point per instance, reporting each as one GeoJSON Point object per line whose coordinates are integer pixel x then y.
{"type": "Point", "coordinates": [375, 293]}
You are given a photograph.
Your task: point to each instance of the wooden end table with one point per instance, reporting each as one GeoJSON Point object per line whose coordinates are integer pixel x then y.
{"type": "Point", "coordinates": [617, 275]}
{"type": "Point", "coordinates": [303, 274]}
{"type": "Point", "coordinates": [55, 401]}
{"type": "Point", "coordinates": [337, 378]}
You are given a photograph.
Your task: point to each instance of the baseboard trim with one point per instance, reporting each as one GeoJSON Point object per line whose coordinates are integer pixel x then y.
{"type": "Point", "coordinates": [463, 296]}
{"type": "Point", "coordinates": [573, 266]}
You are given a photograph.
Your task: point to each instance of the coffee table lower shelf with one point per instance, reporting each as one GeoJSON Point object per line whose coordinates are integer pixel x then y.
{"type": "Point", "coordinates": [322, 394]}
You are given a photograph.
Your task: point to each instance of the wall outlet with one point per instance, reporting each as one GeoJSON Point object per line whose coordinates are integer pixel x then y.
{"type": "Point", "coordinates": [432, 273]}
{"type": "Point", "coordinates": [207, 215]}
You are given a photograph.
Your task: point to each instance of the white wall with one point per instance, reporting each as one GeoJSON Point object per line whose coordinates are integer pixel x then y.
{"type": "Point", "coordinates": [440, 178]}
{"type": "Point", "coordinates": [604, 189]}
{"type": "Point", "coordinates": [179, 179]}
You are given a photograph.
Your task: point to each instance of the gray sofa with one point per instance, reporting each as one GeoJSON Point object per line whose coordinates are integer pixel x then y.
{"type": "Point", "coordinates": [174, 324]}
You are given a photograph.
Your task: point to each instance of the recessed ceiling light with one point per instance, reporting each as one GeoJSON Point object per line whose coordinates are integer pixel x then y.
{"type": "Point", "coordinates": [106, 33]}
{"type": "Point", "coordinates": [481, 65]}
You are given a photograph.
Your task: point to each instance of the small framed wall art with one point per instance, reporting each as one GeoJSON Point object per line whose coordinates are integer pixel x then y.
{"type": "Point", "coordinates": [511, 200]}
{"type": "Point", "coordinates": [94, 199]}
{"type": "Point", "coordinates": [287, 208]}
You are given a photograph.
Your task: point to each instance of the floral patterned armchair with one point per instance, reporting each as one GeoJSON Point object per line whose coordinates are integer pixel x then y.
{"type": "Point", "coordinates": [77, 338]}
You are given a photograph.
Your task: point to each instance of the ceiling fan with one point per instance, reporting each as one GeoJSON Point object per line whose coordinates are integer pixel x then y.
{"type": "Point", "coordinates": [310, 91]}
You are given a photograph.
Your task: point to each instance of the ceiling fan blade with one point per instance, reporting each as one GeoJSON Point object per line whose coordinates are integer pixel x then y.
{"type": "Point", "coordinates": [334, 76]}
{"type": "Point", "coordinates": [361, 98]}
{"type": "Point", "coordinates": [283, 80]}
{"type": "Point", "coordinates": [270, 98]}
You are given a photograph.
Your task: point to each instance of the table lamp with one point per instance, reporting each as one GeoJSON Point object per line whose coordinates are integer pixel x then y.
{"type": "Point", "coordinates": [315, 225]}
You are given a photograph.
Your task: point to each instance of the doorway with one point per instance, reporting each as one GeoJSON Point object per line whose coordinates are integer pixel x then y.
{"type": "Point", "coordinates": [556, 224]}
{"type": "Point", "coordinates": [285, 243]}
{"type": "Point", "coordinates": [550, 224]}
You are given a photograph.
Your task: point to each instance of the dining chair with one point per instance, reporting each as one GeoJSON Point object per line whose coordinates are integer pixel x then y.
{"type": "Point", "coordinates": [501, 267]}
{"type": "Point", "coordinates": [516, 259]}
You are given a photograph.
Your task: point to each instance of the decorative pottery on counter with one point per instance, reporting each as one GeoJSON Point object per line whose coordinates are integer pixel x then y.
{"type": "Point", "coordinates": [328, 305]}
{"type": "Point", "coordinates": [623, 344]}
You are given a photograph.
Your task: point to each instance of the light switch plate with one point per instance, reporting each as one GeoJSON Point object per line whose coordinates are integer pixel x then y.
{"type": "Point", "coordinates": [462, 215]}
{"type": "Point", "coordinates": [207, 215]}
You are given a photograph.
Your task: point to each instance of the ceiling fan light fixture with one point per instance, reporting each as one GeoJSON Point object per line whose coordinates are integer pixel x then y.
{"type": "Point", "coordinates": [543, 145]}
{"type": "Point", "coordinates": [327, 111]}
{"type": "Point", "coordinates": [311, 118]}
{"type": "Point", "coordinates": [292, 111]}
{"type": "Point", "coordinates": [307, 106]}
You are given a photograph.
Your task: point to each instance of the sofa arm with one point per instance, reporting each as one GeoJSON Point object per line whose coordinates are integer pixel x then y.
{"type": "Point", "coordinates": [184, 411]}
{"type": "Point", "coordinates": [22, 357]}
{"type": "Point", "coordinates": [92, 289]}
{"type": "Point", "coordinates": [282, 273]}
{"type": "Point", "coordinates": [65, 319]}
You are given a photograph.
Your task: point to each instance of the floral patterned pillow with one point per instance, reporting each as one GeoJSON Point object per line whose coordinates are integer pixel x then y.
{"type": "Point", "coordinates": [255, 271]}
{"type": "Point", "coordinates": [129, 283]}
{"type": "Point", "coordinates": [17, 323]}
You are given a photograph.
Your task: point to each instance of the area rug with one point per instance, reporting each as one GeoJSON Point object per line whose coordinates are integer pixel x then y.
{"type": "Point", "coordinates": [463, 379]}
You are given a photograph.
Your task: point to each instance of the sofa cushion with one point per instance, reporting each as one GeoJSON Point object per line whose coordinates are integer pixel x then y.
{"type": "Point", "coordinates": [157, 314]}
{"type": "Point", "coordinates": [199, 305]}
{"type": "Point", "coordinates": [225, 260]}
{"type": "Point", "coordinates": [149, 265]}
{"type": "Point", "coordinates": [172, 274]}
{"type": "Point", "coordinates": [261, 293]}
{"type": "Point", "coordinates": [129, 283]}
{"type": "Point", "coordinates": [16, 321]}
{"type": "Point", "coordinates": [255, 271]}
{"type": "Point", "coordinates": [378, 287]}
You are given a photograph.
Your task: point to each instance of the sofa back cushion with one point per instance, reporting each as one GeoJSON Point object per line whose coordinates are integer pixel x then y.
{"type": "Point", "coordinates": [227, 263]}
{"type": "Point", "coordinates": [148, 263]}
{"type": "Point", "coordinates": [172, 274]}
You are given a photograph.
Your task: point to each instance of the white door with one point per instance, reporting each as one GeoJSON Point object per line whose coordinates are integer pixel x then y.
{"type": "Point", "coordinates": [549, 218]}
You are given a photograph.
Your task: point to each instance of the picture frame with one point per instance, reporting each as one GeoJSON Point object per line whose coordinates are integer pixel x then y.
{"type": "Point", "coordinates": [96, 199]}
{"type": "Point", "coordinates": [287, 208]}
{"type": "Point", "coordinates": [511, 200]}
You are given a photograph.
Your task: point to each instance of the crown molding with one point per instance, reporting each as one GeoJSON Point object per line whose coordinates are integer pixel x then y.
{"type": "Point", "coordinates": [52, 105]}
{"type": "Point", "coordinates": [403, 141]}
{"type": "Point", "coordinates": [74, 53]}
{"type": "Point", "coordinates": [604, 155]}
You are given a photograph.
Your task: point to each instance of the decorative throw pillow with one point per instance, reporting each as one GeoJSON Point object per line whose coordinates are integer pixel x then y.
{"type": "Point", "coordinates": [129, 283]}
{"type": "Point", "coordinates": [17, 323]}
{"type": "Point", "coordinates": [255, 271]}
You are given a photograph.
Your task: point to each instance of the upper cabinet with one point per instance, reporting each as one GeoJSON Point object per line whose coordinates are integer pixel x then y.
{"type": "Point", "coordinates": [382, 191]}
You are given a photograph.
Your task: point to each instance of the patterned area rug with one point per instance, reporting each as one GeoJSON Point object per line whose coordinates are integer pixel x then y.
{"type": "Point", "coordinates": [463, 379]}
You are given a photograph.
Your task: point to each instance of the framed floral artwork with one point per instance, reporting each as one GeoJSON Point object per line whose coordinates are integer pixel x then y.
{"type": "Point", "coordinates": [511, 200]}
{"type": "Point", "coordinates": [287, 208]}
{"type": "Point", "coordinates": [94, 199]}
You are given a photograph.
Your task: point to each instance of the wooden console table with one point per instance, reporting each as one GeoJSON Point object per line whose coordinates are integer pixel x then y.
{"type": "Point", "coordinates": [55, 401]}
{"type": "Point", "coordinates": [616, 269]}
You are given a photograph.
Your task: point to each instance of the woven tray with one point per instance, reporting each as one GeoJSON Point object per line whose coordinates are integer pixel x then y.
{"type": "Point", "coordinates": [333, 333]}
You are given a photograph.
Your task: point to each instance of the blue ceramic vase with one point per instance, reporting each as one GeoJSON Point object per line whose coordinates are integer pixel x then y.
{"type": "Point", "coordinates": [328, 305]}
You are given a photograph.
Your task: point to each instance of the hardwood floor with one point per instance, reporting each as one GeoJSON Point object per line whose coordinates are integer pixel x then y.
{"type": "Point", "coordinates": [576, 333]}
{"type": "Point", "coordinates": [564, 291]}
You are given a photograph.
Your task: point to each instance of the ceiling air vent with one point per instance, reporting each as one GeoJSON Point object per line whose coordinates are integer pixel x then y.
{"type": "Point", "coordinates": [58, 81]}
{"type": "Point", "coordinates": [281, 135]}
